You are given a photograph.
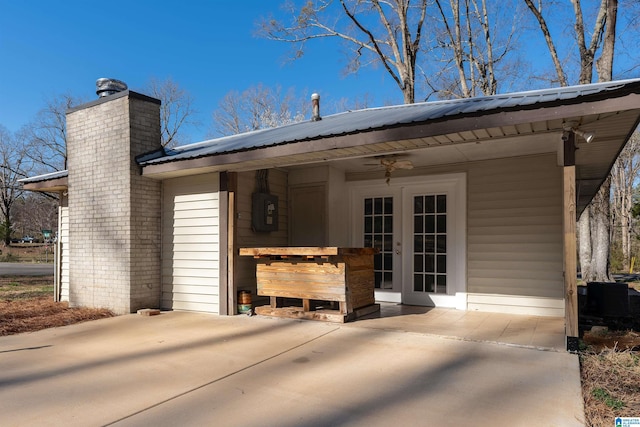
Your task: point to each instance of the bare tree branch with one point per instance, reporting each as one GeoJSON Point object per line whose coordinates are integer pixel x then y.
{"type": "Point", "coordinates": [388, 31]}
{"type": "Point", "coordinates": [176, 110]}
{"type": "Point", "coordinates": [258, 107]}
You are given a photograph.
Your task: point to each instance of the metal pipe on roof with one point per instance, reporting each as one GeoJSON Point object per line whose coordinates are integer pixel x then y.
{"type": "Point", "coordinates": [315, 101]}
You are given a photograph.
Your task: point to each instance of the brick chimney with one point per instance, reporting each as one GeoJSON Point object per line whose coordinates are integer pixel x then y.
{"type": "Point", "coordinates": [114, 212]}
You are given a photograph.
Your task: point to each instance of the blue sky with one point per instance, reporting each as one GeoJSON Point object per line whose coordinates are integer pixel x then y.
{"type": "Point", "coordinates": [50, 47]}
{"type": "Point", "coordinates": [208, 47]}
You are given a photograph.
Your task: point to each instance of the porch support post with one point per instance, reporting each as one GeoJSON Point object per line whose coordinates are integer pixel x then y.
{"type": "Point", "coordinates": [223, 200]}
{"type": "Point", "coordinates": [569, 243]}
{"type": "Point", "coordinates": [231, 289]}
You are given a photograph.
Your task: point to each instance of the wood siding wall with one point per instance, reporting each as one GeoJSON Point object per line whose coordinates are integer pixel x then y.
{"type": "Point", "coordinates": [190, 244]}
{"type": "Point", "coordinates": [515, 236]}
{"type": "Point", "coordinates": [245, 267]}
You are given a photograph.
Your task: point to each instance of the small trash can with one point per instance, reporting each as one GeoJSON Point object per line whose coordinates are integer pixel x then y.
{"type": "Point", "coordinates": [244, 302]}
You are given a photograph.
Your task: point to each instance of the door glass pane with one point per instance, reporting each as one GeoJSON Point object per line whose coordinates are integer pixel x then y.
{"type": "Point", "coordinates": [417, 263]}
{"type": "Point", "coordinates": [418, 283]}
{"type": "Point", "coordinates": [429, 285]}
{"type": "Point", "coordinates": [418, 223]}
{"type": "Point", "coordinates": [388, 224]}
{"type": "Point", "coordinates": [429, 263]}
{"type": "Point", "coordinates": [368, 206]}
{"type": "Point", "coordinates": [430, 243]}
{"type": "Point", "coordinates": [418, 205]}
{"type": "Point", "coordinates": [388, 205]}
{"type": "Point", "coordinates": [388, 261]}
{"type": "Point", "coordinates": [378, 228]}
{"type": "Point", "coordinates": [429, 204]}
{"type": "Point", "coordinates": [442, 223]}
{"type": "Point", "coordinates": [377, 223]}
{"type": "Point", "coordinates": [377, 206]}
{"type": "Point", "coordinates": [368, 224]}
{"type": "Point", "coordinates": [388, 243]}
{"type": "Point", "coordinates": [429, 223]}
{"type": "Point", "coordinates": [418, 243]}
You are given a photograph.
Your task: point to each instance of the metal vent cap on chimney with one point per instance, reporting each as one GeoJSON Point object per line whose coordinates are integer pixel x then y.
{"type": "Point", "coordinates": [106, 87]}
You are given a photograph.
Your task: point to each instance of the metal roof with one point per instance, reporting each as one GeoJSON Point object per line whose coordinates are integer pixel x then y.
{"type": "Point", "coordinates": [45, 177]}
{"type": "Point", "coordinates": [361, 121]}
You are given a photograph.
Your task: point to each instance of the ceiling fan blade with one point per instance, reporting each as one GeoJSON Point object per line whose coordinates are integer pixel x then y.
{"type": "Point", "coordinates": [403, 164]}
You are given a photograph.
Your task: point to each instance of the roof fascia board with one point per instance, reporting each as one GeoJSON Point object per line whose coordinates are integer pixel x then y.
{"type": "Point", "coordinates": [402, 132]}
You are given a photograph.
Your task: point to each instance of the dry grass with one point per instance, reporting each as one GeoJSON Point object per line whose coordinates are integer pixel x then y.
{"type": "Point", "coordinates": [27, 252]}
{"type": "Point", "coordinates": [26, 305]}
{"type": "Point", "coordinates": [610, 385]}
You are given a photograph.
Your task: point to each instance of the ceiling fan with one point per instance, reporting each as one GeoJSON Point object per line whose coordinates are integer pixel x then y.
{"type": "Point", "coordinates": [390, 164]}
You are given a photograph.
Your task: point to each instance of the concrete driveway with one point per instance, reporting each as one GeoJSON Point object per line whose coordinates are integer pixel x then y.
{"type": "Point", "coordinates": [196, 369]}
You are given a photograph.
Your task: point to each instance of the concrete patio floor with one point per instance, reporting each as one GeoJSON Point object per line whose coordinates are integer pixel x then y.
{"type": "Point", "coordinates": [527, 331]}
{"type": "Point", "coordinates": [196, 369]}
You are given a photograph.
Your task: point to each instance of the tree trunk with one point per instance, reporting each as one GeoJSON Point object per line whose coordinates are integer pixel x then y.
{"type": "Point", "coordinates": [584, 243]}
{"type": "Point", "coordinates": [600, 235]}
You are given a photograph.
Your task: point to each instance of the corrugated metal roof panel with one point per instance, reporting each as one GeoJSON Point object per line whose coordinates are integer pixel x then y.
{"type": "Point", "coordinates": [45, 177]}
{"type": "Point", "coordinates": [383, 117]}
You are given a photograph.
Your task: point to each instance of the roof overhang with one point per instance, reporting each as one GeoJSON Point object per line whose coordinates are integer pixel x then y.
{"type": "Point", "coordinates": [55, 182]}
{"type": "Point", "coordinates": [612, 120]}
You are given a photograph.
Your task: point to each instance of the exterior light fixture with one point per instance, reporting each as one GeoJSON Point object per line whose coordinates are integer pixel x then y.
{"type": "Point", "coordinates": [587, 136]}
{"type": "Point", "coordinates": [572, 126]}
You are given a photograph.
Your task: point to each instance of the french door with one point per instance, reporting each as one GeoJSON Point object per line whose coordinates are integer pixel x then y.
{"type": "Point", "coordinates": [418, 228]}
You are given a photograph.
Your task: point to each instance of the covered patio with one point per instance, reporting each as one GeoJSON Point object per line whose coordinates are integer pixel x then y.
{"type": "Point", "coordinates": [472, 203]}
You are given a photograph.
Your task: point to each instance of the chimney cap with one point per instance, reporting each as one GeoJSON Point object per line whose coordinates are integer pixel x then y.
{"type": "Point", "coordinates": [106, 86]}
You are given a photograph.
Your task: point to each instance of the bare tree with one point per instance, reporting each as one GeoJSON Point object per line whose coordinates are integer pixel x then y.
{"type": "Point", "coordinates": [258, 107]}
{"type": "Point", "coordinates": [624, 174]}
{"type": "Point", "coordinates": [471, 46]}
{"type": "Point", "coordinates": [13, 161]}
{"type": "Point", "coordinates": [594, 224]}
{"type": "Point", "coordinates": [377, 32]}
{"type": "Point", "coordinates": [176, 110]}
{"type": "Point", "coordinates": [34, 212]}
{"type": "Point", "coordinates": [47, 134]}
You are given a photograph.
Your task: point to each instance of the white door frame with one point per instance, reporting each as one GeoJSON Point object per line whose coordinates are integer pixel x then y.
{"type": "Point", "coordinates": [403, 189]}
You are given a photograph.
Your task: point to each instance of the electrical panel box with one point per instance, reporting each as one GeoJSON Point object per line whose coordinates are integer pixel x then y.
{"type": "Point", "coordinates": [264, 212]}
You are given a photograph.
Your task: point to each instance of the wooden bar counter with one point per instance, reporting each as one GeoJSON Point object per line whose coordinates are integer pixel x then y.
{"type": "Point", "coordinates": [333, 284]}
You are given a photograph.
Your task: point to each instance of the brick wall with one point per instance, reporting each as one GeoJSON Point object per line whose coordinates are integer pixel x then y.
{"type": "Point", "coordinates": [114, 212]}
